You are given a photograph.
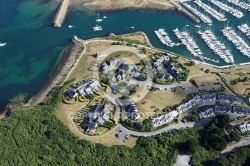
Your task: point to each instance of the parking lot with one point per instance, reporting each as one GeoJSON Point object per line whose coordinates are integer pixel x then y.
{"type": "Point", "coordinates": [122, 135]}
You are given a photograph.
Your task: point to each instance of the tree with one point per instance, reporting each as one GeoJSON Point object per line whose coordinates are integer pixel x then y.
{"type": "Point", "coordinates": [234, 136]}
{"type": "Point", "coordinates": [194, 117]}
{"type": "Point", "coordinates": [192, 145]}
{"type": "Point", "coordinates": [105, 80]}
{"type": "Point", "coordinates": [245, 79]}
{"type": "Point", "coordinates": [235, 81]}
{"type": "Point", "coordinates": [125, 97]}
{"type": "Point", "coordinates": [221, 120]}
{"type": "Point", "coordinates": [132, 91]}
{"type": "Point", "coordinates": [144, 50]}
{"type": "Point", "coordinates": [143, 77]}
{"type": "Point", "coordinates": [147, 125]}
{"type": "Point", "coordinates": [191, 63]}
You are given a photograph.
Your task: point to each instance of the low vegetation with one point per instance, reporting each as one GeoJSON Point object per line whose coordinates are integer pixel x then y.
{"type": "Point", "coordinates": [37, 137]}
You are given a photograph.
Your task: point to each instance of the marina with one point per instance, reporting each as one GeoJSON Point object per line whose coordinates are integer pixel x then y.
{"type": "Point", "coordinates": [229, 9]}
{"type": "Point", "coordinates": [217, 15]}
{"type": "Point", "coordinates": [164, 38]}
{"type": "Point", "coordinates": [239, 43]}
{"type": "Point", "coordinates": [216, 46]}
{"type": "Point", "coordinates": [244, 28]}
{"type": "Point", "coordinates": [203, 17]}
{"type": "Point", "coordinates": [240, 4]}
{"type": "Point", "coordinates": [37, 63]}
{"type": "Point", "coordinates": [188, 42]}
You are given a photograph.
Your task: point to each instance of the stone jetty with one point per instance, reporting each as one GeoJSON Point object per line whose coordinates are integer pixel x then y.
{"type": "Point", "coordinates": [61, 13]}
{"type": "Point", "coordinates": [179, 8]}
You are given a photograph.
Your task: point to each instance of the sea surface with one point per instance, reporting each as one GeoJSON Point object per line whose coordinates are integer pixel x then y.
{"type": "Point", "coordinates": [34, 48]}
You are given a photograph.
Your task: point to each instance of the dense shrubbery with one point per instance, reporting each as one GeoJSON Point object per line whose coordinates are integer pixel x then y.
{"type": "Point", "coordinates": [34, 136]}
{"type": "Point", "coordinates": [239, 157]}
{"type": "Point", "coordinates": [145, 125]}
{"type": "Point", "coordinates": [216, 137]}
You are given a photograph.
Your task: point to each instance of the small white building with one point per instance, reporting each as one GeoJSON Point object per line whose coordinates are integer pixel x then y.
{"type": "Point", "coordinates": [165, 118]}
{"type": "Point", "coordinates": [244, 127]}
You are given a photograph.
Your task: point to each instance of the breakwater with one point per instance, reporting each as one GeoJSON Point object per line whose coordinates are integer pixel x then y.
{"type": "Point", "coordinates": [180, 9]}
{"type": "Point", "coordinates": [61, 13]}
{"type": "Point", "coordinates": [69, 59]}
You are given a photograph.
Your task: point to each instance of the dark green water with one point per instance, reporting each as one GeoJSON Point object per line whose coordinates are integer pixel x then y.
{"type": "Point", "coordinates": [34, 48]}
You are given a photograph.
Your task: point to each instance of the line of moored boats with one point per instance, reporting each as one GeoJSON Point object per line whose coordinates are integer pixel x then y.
{"type": "Point", "coordinates": [229, 9]}
{"type": "Point", "coordinates": [244, 28]}
{"type": "Point", "coordinates": [188, 42]}
{"type": "Point", "coordinates": [164, 38]}
{"type": "Point", "coordinates": [212, 42]}
{"type": "Point", "coordinates": [240, 4]}
{"type": "Point", "coordinates": [238, 42]}
{"type": "Point", "coordinates": [203, 17]}
{"type": "Point", "coordinates": [217, 15]}
{"type": "Point", "coordinates": [216, 46]}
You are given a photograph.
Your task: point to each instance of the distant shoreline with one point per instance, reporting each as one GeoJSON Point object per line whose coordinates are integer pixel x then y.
{"type": "Point", "coordinates": [118, 5]}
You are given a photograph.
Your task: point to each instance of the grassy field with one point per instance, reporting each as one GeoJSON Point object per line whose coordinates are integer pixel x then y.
{"type": "Point", "coordinates": [241, 86]}
{"type": "Point", "coordinates": [194, 70]}
{"type": "Point", "coordinates": [97, 46]}
{"type": "Point", "coordinates": [135, 36]}
{"type": "Point", "coordinates": [66, 111]}
{"type": "Point", "coordinates": [130, 57]}
{"type": "Point", "coordinates": [64, 114]}
{"type": "Point", "coordinates": [160, 99]}
{"type": "Point", "coordinates": [84, 68]}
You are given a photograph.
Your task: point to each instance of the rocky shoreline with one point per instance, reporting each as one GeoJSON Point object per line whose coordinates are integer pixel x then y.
{"type": "Point", "coordinates": [67, 62]}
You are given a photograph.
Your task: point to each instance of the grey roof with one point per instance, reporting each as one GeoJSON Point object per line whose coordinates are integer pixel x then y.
{"type": "Point", "coordinates": [100, 120]}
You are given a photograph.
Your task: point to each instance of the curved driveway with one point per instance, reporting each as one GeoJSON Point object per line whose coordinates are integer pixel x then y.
{"type": "Point", "coordinates": [165, 129]}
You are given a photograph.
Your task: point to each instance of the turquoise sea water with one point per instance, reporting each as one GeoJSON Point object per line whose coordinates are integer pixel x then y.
{"type": "Point", "coordinates": [34, 48]}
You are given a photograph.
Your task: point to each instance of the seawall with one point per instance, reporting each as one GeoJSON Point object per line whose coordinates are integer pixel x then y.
{"type": "Point", "coordinates": [61, 13]}
{"type": "Point", "coordinates": [180, 9]}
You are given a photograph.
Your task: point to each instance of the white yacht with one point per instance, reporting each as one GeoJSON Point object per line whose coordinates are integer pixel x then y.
{"type": "Point", "coordinates": [70, 26]}
{"type": "Point", "coordinates": [97, 28]}
{"type": "Point", "coordinates": [104, 16]}
{"type": "Point", "coordinates": [2, 44]}
{"type": "Point", "coordinates": [98, 19]}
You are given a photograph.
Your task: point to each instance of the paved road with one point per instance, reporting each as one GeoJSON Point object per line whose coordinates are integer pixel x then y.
{"type": "Point", "coordinates": [244, 142]}
{"type": "Point", "coordinates": [165, 129]}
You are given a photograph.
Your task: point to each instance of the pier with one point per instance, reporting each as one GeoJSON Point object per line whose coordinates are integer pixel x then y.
{"type": "Point", "coordinates": [245, 28]}
{"type": "Point", "coordinates": [216, 46]}
{"type": "Point", "coordinates": [239, 43]}
{"type": "Point", "coordinates": [217, 15]}
{"type": "Point", "coordinates": [179, 8]}
{"type": "Point", "coordinates": [203, 18]}
{"type": "Point", "coordinates": [227, 8]}
{"type": "Point", "coordinates": [61, 13]}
